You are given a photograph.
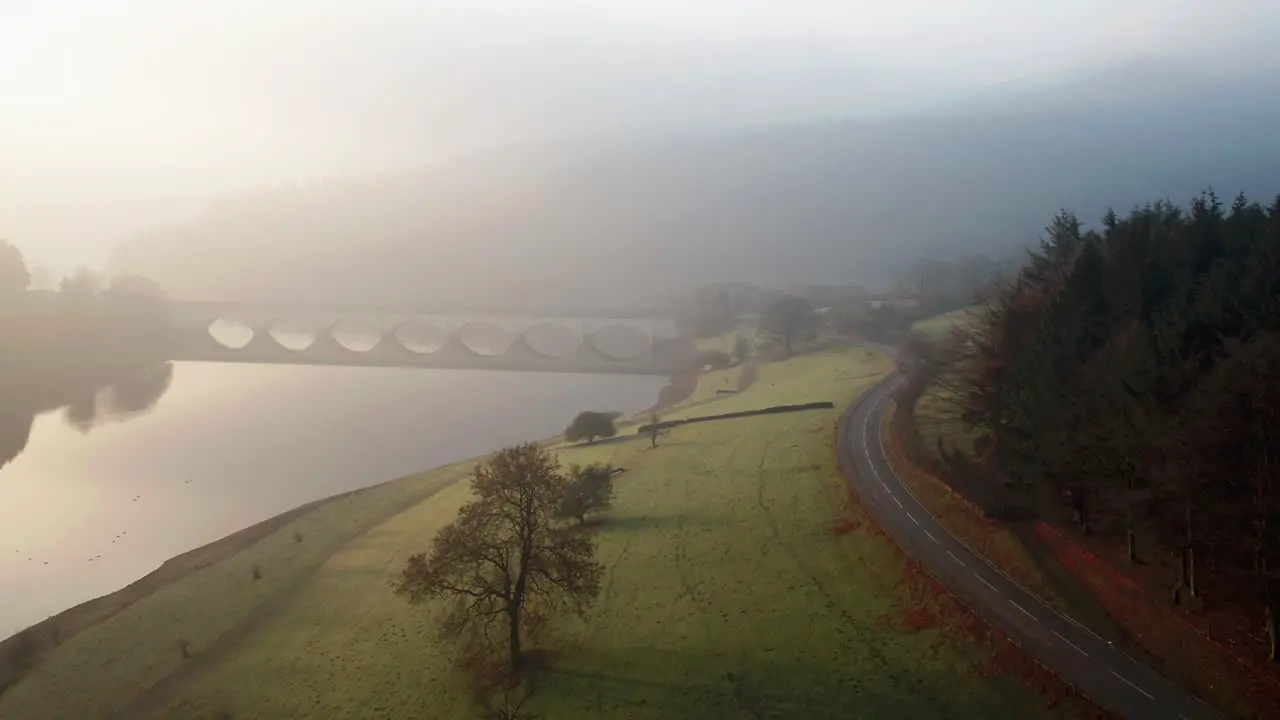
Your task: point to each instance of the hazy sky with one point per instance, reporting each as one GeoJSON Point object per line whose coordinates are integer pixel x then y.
{"type": "Point", "coordinates": [118, 114]}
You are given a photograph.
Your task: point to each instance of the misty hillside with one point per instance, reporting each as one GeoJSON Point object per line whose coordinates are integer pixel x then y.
{"type": "Point", "coordinates": [629, 223]}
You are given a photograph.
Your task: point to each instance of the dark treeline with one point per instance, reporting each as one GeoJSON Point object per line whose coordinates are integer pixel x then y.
{"type": "Point", "coordinates": [1129, 378]}
{"type": "Point", "coordinates": [92, 347]}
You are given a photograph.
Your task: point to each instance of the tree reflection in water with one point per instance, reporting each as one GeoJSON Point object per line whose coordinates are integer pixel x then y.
{"type": "Point", "coordinates": [110, 400]}
{"type": "Point", "coordinates": [94, 347]}
{"type": "Point", "coordinates": [129, 396]}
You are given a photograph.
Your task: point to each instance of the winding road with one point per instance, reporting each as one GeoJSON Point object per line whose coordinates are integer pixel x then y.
{"type": "Point", "coordinates": [1101, 671]}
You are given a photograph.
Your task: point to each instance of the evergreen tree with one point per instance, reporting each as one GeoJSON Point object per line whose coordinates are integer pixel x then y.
{"type": "Point", "coordinates": [1128, 376]}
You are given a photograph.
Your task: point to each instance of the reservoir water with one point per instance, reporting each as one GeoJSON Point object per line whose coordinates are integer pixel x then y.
{"type": "Point", "coordinates": [85, 512]}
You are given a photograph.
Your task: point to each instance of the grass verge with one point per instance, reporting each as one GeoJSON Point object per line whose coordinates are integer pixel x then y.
{"type": "Point", "coordinates": [936, 424]}
{"type": "Point", "coordinates": [989, 537]}
{"type": "Point", "coordinates": [26, 648]}
{"type": "Point", "coordinates": [98, 671]}
{"type": "Point", "coordinates": [930, 604]}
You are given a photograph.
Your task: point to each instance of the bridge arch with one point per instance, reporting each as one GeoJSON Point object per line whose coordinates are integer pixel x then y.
{"type": "Point", "coordinates": [625, 342]}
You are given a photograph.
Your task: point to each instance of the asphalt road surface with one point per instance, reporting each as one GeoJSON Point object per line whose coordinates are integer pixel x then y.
{"type": "Point", "coordinates": [1101, 671]}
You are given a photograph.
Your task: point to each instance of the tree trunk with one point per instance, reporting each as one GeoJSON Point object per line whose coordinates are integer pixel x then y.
{"type": "Point", "coordinates": [1082, 510]}
{"type": "Point", "coordinates": [1191, 571]}
{"type": "Point", "coordinates": [513, 621]}
{"type": "Point", "coordinates": [1182, 577]}
{"type": "Point", "coordinates": [1130, 525]}
{"type": "Point", "coordinates": [1272, 654]}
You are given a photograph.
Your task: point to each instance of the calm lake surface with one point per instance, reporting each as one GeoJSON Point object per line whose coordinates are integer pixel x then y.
{"type": "Point", "coordinates": [230, 445]}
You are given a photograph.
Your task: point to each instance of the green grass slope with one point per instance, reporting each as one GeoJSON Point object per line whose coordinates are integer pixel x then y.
{"type": "Point", "coordinates": [936, 415]}
{"type": "Point", "coordinates": [939, 327]}
{"type": "Point", "coordinates": [721, 559]}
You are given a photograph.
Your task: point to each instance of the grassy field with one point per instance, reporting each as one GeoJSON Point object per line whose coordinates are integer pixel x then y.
{"type": "Point", "coordinates": [936, 421]}
{"type": "Point", "coordinates": [732, 548]}
{"type": "Point", "coordinates": [939, 326]}
{"type": "Point", "coordinates": [935, 415]}
{"type": "Point", "coordinates": [708, 384]}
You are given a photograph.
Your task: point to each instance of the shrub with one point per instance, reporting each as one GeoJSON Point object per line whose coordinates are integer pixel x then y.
{"type": "Point", "coordinates": [590, 425]}
{"type": "Point", "coordinates": [590, 489]}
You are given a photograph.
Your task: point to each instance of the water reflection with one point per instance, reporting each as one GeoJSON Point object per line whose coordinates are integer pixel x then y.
{"type": "Point", "coordinates": [122, 399]}
{"type": "Point", "coordinates": [15, 431]}
{"type": "Point", "coordinates": [95, 348]}
{"type": "Point", "coordinates": [84, 405]}
{"type": "Point", "coordinates": [228, 445]}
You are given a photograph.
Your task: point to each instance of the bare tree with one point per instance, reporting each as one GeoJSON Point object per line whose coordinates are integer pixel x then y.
{"type": "Point", "coordinates": [506, 560]}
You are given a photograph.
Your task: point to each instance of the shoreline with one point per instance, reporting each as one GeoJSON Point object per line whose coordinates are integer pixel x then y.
{"type": "Point", "coordinates": [57, 628]}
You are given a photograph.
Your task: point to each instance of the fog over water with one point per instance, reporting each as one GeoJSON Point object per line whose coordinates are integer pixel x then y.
{"type": "Point", "coordinates": [229, 445]}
